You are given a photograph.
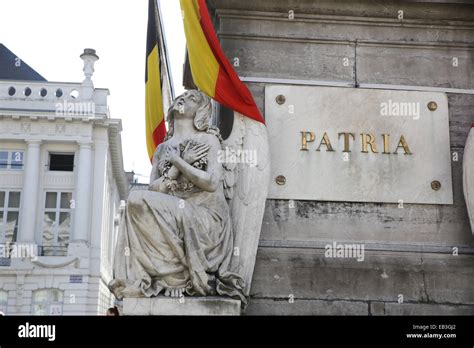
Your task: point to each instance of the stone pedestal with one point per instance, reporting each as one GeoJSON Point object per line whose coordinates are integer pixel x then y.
{"type": "Point", "coordinates": [162, 305]}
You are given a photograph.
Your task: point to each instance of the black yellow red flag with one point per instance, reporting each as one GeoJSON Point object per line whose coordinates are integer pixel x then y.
{"type": "Point", "coordinates": [154, 114]}
{"type": "Point", "coordinates": [210, 68]}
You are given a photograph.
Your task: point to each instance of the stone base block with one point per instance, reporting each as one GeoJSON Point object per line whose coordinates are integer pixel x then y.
{"type": "Point", "coordinates": [162, 305]}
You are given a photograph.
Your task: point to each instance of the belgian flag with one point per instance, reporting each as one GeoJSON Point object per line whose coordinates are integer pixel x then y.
{"type": "Point", "coordinates": [211, 71]}
{"type": "Point", "coordinates": [155, 120]}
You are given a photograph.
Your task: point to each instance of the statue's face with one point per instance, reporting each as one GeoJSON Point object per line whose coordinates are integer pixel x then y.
{"type": "Point", "coordinates": [187, 104]}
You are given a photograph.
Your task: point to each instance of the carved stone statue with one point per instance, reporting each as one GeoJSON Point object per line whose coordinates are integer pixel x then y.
{"type": "Point", "coordinates": [196, 230]}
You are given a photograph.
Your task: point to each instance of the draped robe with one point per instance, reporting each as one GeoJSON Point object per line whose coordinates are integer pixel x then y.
{"type": "Point", "coordinates": [177, 240]}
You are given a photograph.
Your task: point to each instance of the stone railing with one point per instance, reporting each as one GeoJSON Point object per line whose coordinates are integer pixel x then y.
{"type": "Point", "coordinates": [62, 99]}
{"type": "Point", "coordinates": [52, 250]}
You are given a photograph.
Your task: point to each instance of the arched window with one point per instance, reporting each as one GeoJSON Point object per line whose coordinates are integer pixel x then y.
{"type": "Point", "coordinates": [47, 302]}
{"type": "Point", "coordinates": [3, 301]}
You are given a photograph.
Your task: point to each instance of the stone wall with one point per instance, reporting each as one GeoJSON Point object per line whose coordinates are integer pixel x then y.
{"type": "Point", "coordinates": [409, 250]}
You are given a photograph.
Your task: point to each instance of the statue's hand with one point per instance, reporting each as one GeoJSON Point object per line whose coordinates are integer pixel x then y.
{"type": "Point", "coordinates": [172, 154]}
{"type": "Point", "coordinates": [193, 153]}
{"type": "Point", "coordinates": [156, 185]}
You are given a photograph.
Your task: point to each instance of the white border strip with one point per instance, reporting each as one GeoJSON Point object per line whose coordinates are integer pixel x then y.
{"type": "Point", "coordinates": [351, 85]}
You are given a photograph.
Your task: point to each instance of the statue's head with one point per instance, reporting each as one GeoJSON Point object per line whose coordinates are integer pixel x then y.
{"type": "Point", "coordinates": [192, 104]}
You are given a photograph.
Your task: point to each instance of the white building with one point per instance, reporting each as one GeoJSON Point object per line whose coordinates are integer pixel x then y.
{"type": "Point", "coordinates": [61, 186]}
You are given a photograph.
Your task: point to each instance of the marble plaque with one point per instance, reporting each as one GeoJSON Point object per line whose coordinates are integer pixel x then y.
{"type": "Point", "coordinates": [358, 145]}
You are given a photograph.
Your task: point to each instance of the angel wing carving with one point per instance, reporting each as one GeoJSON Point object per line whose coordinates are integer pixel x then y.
{"type": "Point", "coordinates": [246, 186]}
{"type": "Point", "coordinates": [468, 176]}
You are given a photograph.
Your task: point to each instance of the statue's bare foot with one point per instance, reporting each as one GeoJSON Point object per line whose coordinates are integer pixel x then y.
{"type": "Point", "coordinates": [174, 292]}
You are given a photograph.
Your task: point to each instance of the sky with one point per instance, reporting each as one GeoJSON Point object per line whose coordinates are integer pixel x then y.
{"type": "Point", "coordinates": [50, 35]}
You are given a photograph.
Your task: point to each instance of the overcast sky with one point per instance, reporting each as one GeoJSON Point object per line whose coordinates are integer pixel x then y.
{"type": "Point", "coordinates": [49, 35]}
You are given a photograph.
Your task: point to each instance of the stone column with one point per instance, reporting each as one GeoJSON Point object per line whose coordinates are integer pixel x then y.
{"type": "Point", "coordinates": [100, 174]}
{"type": "Point", "coordinates": [29, 199]}
{"type": "Point", "coordinates": [83, 188]}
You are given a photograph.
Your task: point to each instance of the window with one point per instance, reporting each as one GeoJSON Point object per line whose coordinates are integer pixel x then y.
{"type": "Point", "coordinates": [11, 160]}
{"type": "Point", "coordinates": [47, 302]}
{"type": "Point", "coordinates": [9, 214]}
{"type": "Point", "coordinates": [3, 301]}
{"type": "Point", "coordinates": [61, 162]}
{"type": "Point", "coordinates": [56, 223]}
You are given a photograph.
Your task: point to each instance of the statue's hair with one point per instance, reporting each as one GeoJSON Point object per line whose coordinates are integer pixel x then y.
{"type": "Point", "coordinates": [202, 118]}
{"type": "Point", "coordinates": [203, 114]}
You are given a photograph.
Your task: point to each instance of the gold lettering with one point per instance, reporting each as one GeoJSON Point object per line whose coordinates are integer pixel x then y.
{"type": "Point", "coordinates": [325, 141]}
{"type": "Point", "coordinates": [368, 139]}
{"type": "Point", "coordinates": [386, 143]}
{"type": "Point", "coordinates": [403, 143]}
{"type": "Point", "coordinates": [346, 140]}
{"type": "Point", "coordinates": [305, 140]}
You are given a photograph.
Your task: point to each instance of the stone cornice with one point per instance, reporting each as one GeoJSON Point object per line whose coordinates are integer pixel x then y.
{"type": "Point", "coordinates": [427, 23]}
{"type": "Point", "coordinates": [432, 10]}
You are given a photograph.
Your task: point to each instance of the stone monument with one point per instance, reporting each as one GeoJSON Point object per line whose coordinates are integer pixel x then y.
{"type": "Point", "coordinates": [193, 235]}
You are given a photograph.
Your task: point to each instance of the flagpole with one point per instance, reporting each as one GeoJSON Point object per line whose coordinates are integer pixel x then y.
{"type": "Point", "coordinates": [164, 48]}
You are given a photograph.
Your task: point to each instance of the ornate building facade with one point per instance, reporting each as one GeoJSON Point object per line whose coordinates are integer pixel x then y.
{"type": "Point", "coordinates": [61, 187]}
